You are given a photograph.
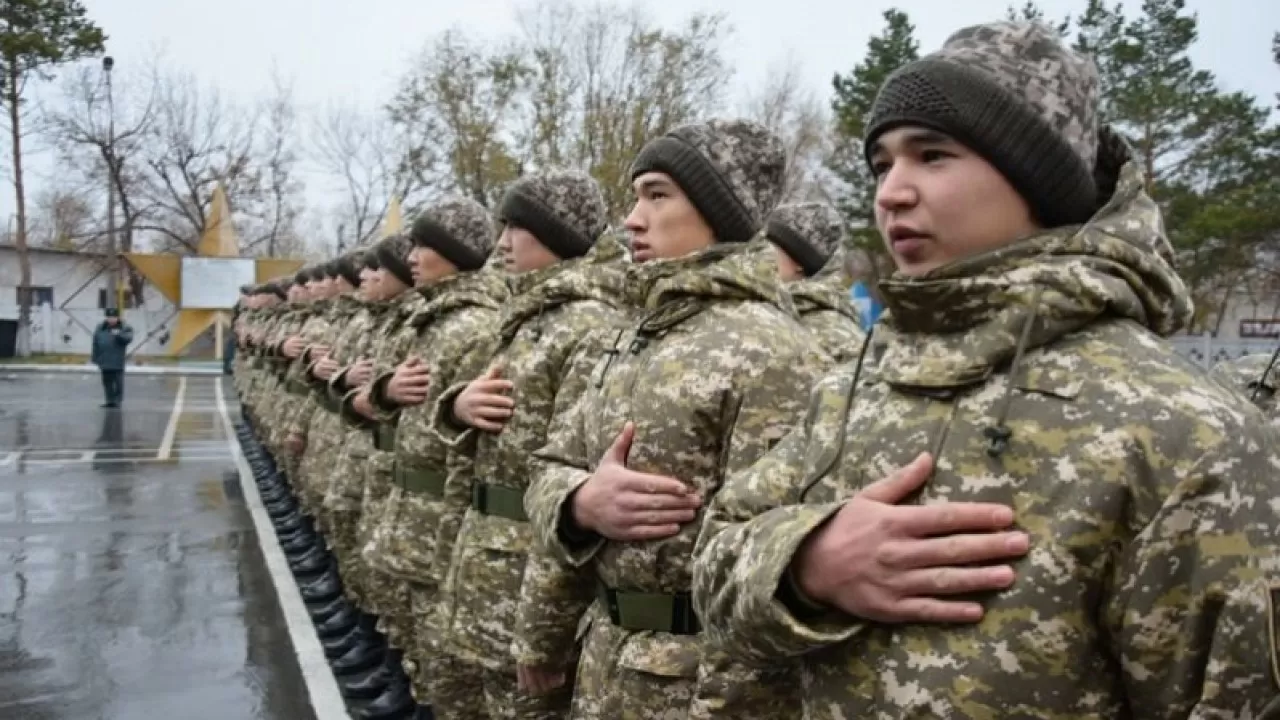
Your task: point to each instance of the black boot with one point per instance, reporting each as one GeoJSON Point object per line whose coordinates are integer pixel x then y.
{"type": "Point", "coordinates": [361, 658]}
{"type": "Point", "coordinates": [321, 590]}
{"type": "Point", "coordinates": [425, 713]}
{"type": "Point", "coordinates": [313, 565]}
{"type": "Point", "coordinates": [282, 507]}
{"type": "Point", "coordinates": [315, 557]}
{"type": "Point", "coordinates": [338, 624]}
{"type": "Point", "coordinates": [321, 613]}
{"type": "Point", "coordinates": [367, 685]}
{"type": "Point", "coordinates": [335, 648]}
{"type": "Point", "coordinates": [395, 703]}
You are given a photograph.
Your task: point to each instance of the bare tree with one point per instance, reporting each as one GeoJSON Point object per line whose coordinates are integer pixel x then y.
{"type": "Point", "coordinates": [197, 141]}
{"type": "Point", "coordinates": [277, 232]}
{"type": "Point", "coordinates": [604, 80]}
{"type": "Point", "coordinates": [78, 127]}
{"type": "Point", "coordinates": [464, 94]}
{"type": "Point", "coordinates": [370, 161]}
{"type": "Point", "coordinates": [64, 218]}
{"type": "Point", "coordinates": [786, 105]}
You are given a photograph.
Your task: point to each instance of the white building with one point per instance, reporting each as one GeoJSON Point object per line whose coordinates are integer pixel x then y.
{"type": "Point", "coordinates": [69, 289]}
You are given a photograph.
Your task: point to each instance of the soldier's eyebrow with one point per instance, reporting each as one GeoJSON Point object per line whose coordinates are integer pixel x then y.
{"type": "Point", "coordinates": [650, 184]}
{"type": "Point", "coordinates": [908, 139]}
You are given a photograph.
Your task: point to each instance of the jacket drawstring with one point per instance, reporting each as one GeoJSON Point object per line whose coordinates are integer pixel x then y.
{"type": "Point", "coordinates": [1262, 381]}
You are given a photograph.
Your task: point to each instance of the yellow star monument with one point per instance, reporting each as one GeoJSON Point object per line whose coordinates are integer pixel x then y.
{"type": "Point", "coordinates": [212, 277]}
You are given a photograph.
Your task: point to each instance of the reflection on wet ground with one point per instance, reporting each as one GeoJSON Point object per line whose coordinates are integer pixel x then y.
{"type": "Point", "coordinates": [131, 581]}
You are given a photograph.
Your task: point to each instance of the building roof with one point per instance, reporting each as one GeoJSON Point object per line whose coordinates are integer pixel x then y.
{"type": "Point", "coordinates": [44, 250]}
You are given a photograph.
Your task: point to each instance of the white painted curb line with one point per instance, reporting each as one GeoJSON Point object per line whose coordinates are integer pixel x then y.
{"type": "Point", "coordinates": [326, 698]}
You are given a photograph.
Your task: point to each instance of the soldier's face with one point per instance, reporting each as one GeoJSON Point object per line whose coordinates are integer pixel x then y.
{"type": "Point", "coordinates": [521, 251]}
{"type": "Point", "coordinates": [429, 266]}
{"type": "Point", "coordinates": [664, 223]}
{"type": "Point", "coordinates": [788, 268]}
{"type": "Point", "coordinates": [938, 201]}
{"type": "Point", "coordinates": [389, 285]}
{"type": "Point", "coordinates": [369, 285]}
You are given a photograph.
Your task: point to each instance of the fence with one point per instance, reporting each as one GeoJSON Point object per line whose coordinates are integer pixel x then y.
{"type": "Point", "coordinates": [1208, 351]}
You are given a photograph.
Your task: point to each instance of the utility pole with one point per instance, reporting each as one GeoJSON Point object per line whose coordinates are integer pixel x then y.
{"type": "Point", "coordinates": [115, 298]}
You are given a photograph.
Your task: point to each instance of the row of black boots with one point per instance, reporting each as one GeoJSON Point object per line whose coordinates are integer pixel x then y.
{"type": "Point", "coordinates": [367, 669]}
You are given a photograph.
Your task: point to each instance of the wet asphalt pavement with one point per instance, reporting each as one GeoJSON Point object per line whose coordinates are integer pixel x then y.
{"type": "Point", "coordinates": [132, 585]}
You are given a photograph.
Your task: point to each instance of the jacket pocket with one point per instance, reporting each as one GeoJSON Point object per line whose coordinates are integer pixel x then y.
{"type": "Point", "coordinates": [673, 656]}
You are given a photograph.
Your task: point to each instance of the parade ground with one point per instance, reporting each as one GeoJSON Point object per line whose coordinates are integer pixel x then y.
{"type": "Point", "coordinates": [139, 577]}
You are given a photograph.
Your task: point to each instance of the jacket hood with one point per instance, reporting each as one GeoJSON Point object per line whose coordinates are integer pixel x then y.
{"type": "Point", "coordinates": [827, 290]}
{"type": "Point", "coordinates": [486, 287]}
{"type": "Point", "coordinates": [672, 290]}
{"type": "Point", "coordinates": [599, 275]}
{"type": "Point", "coordinates": [955, 325]}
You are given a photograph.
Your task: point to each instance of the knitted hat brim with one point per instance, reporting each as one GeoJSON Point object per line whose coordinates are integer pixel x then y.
{"type": "Point", "coordinates": [810, 258]}
{"type": "Point", "coordinates": [977, 112]}
{"type": "Point", "coordinates": [430, 234]}
{"type": "Point", "coordinates": [529, 213]}
{"type": "Point", "coordinates": [394, 264]}
{"type": "Point", "coordinates": [706, 188]}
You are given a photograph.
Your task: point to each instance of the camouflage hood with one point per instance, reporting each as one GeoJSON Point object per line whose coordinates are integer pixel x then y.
{"type": "Point", "coordinates": [828, 290]}
{"type": "Point", "coordinates": [598, 275]}
{"type": "Point", "coordinates": [956, 324]}
{"type": "Point", "coordinates": [486, 287]}
{"type": "Point", "coordinates": [672, 290]}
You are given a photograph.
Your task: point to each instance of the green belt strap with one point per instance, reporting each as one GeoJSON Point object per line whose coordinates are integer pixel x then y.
{"type": "Point", "coordinates": [658, 612]}
{"type": "Point", "coordinates": [384, 437]}
{"type": "Point", "coordinates": [499, 501]}
{"type": "Point", "coordinates": [328, 402]}
{"type": "Point", "coordinates": [420, 480]}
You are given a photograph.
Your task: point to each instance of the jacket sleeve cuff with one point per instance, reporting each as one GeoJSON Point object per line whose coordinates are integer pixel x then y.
{"type": "Point", "coordinates": [378, 394]}
{"type": "Point", "coordinates": [771, 617]}
{"type": "Point", "coordinates": [576, 545]}
{"type": "Point", "coordinates": [453, 431]}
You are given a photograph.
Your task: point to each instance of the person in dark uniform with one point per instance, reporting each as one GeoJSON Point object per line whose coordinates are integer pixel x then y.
{"type": "Point", "coordinates": [110, 343]}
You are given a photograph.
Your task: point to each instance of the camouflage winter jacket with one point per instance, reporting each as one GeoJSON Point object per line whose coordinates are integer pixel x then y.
{"type": "Point", "coordinates": [388, 347]}
{"type": "Point", "coordinates": [825, 309]}
{"type": "Point", "coordinates": [549, 314]}
{"type": "Point", "coordinates": [1153, 583]}
{"type": "Point", "coordinates": [714, 371]}
{"type": "Point", "coordinates": [1246, 375]}
{"type": "Point", "coordinates": [340, 319]}
{"type": "Point", "coordinates": [456, 331]}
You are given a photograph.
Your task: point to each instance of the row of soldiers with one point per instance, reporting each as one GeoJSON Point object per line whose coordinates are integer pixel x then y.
{"type": "Point", "coordinates": [574, 478]}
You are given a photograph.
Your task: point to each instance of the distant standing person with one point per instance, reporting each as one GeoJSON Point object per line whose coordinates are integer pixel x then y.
{"type": "Point", "coordinates": [110, 341]}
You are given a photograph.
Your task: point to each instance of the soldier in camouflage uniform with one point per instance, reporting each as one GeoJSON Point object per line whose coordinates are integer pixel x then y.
{"type": "Point", "coordinates": [1023, 503]}
{"type": "Point", "coordinates": [709, 374]}
{"type": "Point", "coordinates": [1258, 377]}
{"type": "Point", "coordinates": [284, 345]}
{"type": "Point", "coordinates": [565, 283]}
{"type": "Point", "coordinates": [812, 244]}
{"type": "Point", "coordinates": [312, 426]}
{"type": "Point", "coordinates": [456, 328]}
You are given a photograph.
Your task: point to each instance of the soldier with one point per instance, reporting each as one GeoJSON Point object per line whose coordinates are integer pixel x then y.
{"type": "Point", "coordinates": [712, 371]}
{"type": "Point", "coordinates": [810, 241]}
{"type": "Point", "coordinates": [1091, 530]}
{"type": "Point", "coordinates": [360, 492]}
{"type": "Point", "coordinates": [1258, 377]}
{"type": "Point", "coordinates": [452, 243]}
{"type": "Point", "coordinates": [567, 280]}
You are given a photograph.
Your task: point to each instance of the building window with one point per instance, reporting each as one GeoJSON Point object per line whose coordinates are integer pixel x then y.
{"type": "Point", "coordinates": [38, 295]}
{"type": "Point", "coordinates": [128, 299]}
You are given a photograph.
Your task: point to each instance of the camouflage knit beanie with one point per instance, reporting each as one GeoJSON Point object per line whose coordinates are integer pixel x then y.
{"type": "Point", "coordinates": [564, 210]}
{"type": "Point", "coordinates": [303, 276]}
{"type": "Point", "coordinates": [809, 232]}
{"type": "Point", "coordinates": [393, 254]}
{"type": "Point", "coordinates": [732, 171]}
{"type": "Point", "coordinates": [369, 258]}
{"type": "Point", "coordinates": [458, 228]}
{"type": "Point", "coordinates": [1013, 93]}
{"type": "Point", "coordinates": [348, 267]}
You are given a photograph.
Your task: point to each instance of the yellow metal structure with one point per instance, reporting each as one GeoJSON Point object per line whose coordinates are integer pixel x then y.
{"type": "Point", "coordinates": [218, 240]}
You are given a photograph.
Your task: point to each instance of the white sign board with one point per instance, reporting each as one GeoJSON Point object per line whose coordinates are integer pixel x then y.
{"type": "Point", "coordinates": [213, 283]}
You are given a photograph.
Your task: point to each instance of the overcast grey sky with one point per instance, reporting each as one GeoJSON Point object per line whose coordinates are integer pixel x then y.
{"type": "Point", "coordinates": [356, 49]}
